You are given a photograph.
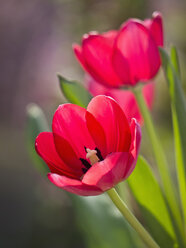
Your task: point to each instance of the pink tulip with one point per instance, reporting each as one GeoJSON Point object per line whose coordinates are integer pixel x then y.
{"type": "Point", "coordinates": [90, 151]}
{"type": "Point", "coordinates": [123, 57]}
{"type": "Point", "coordinates": [125, 98]}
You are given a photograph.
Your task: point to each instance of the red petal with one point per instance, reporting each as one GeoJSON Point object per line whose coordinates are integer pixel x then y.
{"type": "Point", "coordinates": [110, 35]}
{"type": "Point", "coordinates": [97, 51]}
{"type": "Point", "coordinates": [97, 133]}
{"type": "Point", "coordinates": [68, 155]}
{"type": "Point", "coordinates": [136, 56]}
{"type": "Point", "coordinates": [136, 138]}
{"type": "Point", "coordinates": [74, 186]}
{"type": "Point", "coordinates": [135, 146]}
{"type": "Point", "coordinates": [46, 149]}
{"type": "Point", "coordinates": [155, 26]}
{"type": "Point", "coordinates": [96, 88]}
{"type": "Point", "coordinates": [69, 123]}
{"type": "Point", "coordinates": [107, 173]}
{"type": "Point", "coordinates": [80, 58]}
{"type": "Point", "coordinates": [149, 94]}
{"type": "Point", "coordinates": [113, 121]}
{"type": "Point", "coordinates": [78, 52]}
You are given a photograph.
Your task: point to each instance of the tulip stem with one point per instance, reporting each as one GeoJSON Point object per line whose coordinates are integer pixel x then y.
{"type": "Point", "coordinates": [131, 219]}
{"type": "Point", "coordinates": [160, 159]}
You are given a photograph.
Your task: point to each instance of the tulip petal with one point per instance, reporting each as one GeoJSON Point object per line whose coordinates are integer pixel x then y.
{"type": "Point", "coordinates": [149, 94]}
{"type": "Point", "coordinates": [79, 55]}
{"type": "Point", "coordinates": [68, 155]}
{"type": "Point", "coordinates": [134, 149]}
{"type": "Point", "coordinates": [107, 173]}
{"type": "Point", "coordinates": [97, 52]}
{"type": "Point", "coordinates": [155, 26]}
{"type": "Point", "coordinates": [97, 133]}
{"type": "Point", "coordinates": [136, 138]}
{"type": "Point", "coordinates": [136, 56]}
{"type": "Point", "coordinates": [45, 147]}
{"type": "Point", "coordinates": [69, 122]}
{"type": "Point", "coordinates": [110, 35]}
{"type": "Point", "coordinates": [96, 88]}
{"type": "Point", "coordinates": [74, 186]}
{"type": "Point", "coordinates": [113, 121]}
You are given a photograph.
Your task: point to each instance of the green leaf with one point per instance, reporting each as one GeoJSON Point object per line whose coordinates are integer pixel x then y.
{"type": "Point", "coordinates": [175, 61]}
{"type": "Point", "coordinates": [148, 195]}
{"type": "Point", "coordinates": [178, 107]}
{"type": "Point", "coordinates": [74, 92]}
{"type": "Point", "coordinates": [35, 124]}
{"type": "Point", "coordinates": [102, 224]}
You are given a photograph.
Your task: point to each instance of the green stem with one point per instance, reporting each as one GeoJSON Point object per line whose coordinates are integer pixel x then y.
{"type": "Point", "coordinates": [160, 159]}
{"type": "Point", "coordinates": [122, 190]}
{"type": "Point", "coordinates": [131, 219]}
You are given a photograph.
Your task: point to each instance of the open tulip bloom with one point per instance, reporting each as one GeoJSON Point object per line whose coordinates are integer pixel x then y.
{"type": "Point", "coordinates": [90, 150]}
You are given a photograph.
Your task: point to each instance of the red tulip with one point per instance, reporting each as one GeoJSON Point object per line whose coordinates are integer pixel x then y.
{"type": "Point", "coordinates": [123, 57]}
{"type": "Point", "coordinates": [125, 98]}
{"type": "Point", "coordinates": [90, 151]}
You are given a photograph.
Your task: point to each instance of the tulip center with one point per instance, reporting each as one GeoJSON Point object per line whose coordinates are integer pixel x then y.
{"type": "Point", "coordinates": [93, 156]}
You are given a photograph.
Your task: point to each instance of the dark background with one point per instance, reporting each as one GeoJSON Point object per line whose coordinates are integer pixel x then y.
{"type": "Point", "coordinates": [35, 43]}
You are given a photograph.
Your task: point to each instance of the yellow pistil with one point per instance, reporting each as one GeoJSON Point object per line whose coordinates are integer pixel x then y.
{"type": "Point", "coordinates": [91, 155]}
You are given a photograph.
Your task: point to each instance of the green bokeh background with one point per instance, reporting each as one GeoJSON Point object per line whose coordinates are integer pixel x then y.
{"type": "Point", "coordinates": [35, 43]}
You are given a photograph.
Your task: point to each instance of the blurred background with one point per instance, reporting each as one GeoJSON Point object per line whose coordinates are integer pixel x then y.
{"type": "Point", "coordinates": [35, 43]}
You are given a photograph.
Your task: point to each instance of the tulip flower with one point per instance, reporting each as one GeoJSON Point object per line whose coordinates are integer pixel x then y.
{"type": "Point", "coordinates": [123, 57]}
{"type": "Point", "coordinates": [90, 150]}
{"type": "Point", "coordinates": [125, 98]}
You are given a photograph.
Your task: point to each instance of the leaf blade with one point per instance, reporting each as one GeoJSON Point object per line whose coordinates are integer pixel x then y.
{"type": "Point", "coordinates": [178, 107]}
{"type": "Point", "coordinates": [175, 61]}
{"type": "Point", "coordinates": [148, 195]}
{"type": "Point", "coordinates": [35, 123]}
{"type": "Point", "coordinates": [74, 92]}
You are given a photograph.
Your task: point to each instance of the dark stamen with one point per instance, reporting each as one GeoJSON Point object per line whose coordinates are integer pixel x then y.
{"type": "Point", "coordinates": [84, 170]}
{"type": "Point", "coordinates": [99, 154]}
{"type": "Point", "coordinates": [85, 163]}
{"type": "Point", "coordinates": [85, 149]}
